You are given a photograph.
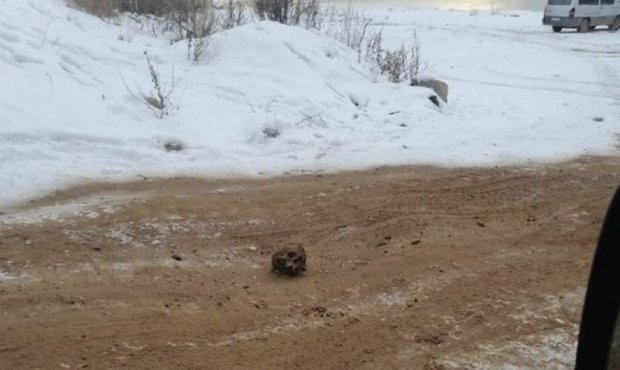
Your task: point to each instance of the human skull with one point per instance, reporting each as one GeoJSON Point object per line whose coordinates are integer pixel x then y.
{"type": "Point", "coordinates": [289, 260]}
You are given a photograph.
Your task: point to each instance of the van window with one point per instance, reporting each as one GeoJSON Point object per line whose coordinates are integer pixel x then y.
{"type": "Point", "coordinates": [588, 2]}
{"type": "Point", "coordinates": [607, 2]}
{"type": "Point", "coordinates": [560, 2]}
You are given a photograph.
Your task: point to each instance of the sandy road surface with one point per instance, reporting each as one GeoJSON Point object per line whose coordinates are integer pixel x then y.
{"type": "Point", "coordinates": [409, 268]}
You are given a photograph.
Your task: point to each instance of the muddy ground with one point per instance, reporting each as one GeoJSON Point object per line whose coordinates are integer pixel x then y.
{"type": "Point", "coordinates": [409, 268]}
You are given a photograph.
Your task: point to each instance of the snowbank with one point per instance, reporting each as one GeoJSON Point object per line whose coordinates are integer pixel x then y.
{"type": "Point", "coordinates": [271, 98]}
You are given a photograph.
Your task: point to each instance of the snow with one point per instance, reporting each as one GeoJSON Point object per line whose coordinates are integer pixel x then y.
{"type": "Point", "coordinates": [519, 94]}
{"type": "Point", "coordinates": [4, 276]}
{"type": "Point", "coordinates": [91, 206]}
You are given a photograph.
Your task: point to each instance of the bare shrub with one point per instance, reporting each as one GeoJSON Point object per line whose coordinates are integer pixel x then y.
{"type": "Point", "coordinates": [158, 99]}
{"type": "Point", "coordinates": [399, 64]}
{"type": "Point", "coordinates": [306, 13]}
{"type": "Point", "coordinates": [292, 12]}
{"type": "Point", "coordinates": [352, 28]}
{"type": "Point", "coordinates": [233, 14]}
{"type": "Point", "coordinates": [374, 47]}
{"type": "Point", "coordinates": [394, 65]}
{"type": "Point", "coordinates": [102, 8]}
{"type": "Point", "coordinates": [349, 26]}
{"type": "Point", "coordinates": [131, 25]}
{"type": "Point", "coordinates": [312, 13]}
{"type": "Point", "coordinates": [191, 20]}
{"type": "Point", "coordinates": [194, 21]}
{"type": "Point", "coordinates": [155, 7]}
{"type": "Point", "coordinates": [273, 10]}
{"type": "Point", "coordinates": [194, 18]}
{"type": "Point", "coordinates": [415, 59]}
{"type": "Point", "coordinates": [109, 7]}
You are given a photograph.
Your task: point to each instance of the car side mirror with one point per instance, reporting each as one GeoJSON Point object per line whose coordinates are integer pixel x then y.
{"type": "Point", "coordinates": [599, 334]}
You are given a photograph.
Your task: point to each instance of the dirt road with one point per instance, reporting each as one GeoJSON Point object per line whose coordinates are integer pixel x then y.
{"type": "Point", "coordinates": [409, 268]}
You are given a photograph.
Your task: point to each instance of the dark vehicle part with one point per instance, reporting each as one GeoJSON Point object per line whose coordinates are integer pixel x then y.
{"type": "Point", "coordinates": [599, 347]}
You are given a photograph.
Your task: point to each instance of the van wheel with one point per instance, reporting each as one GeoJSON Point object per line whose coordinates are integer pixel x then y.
{"type": "Point", "coordinates": [556, 28]}
{"type": "Point", "coordinates": [616, 25]}
{"type": "Point", "coordinates": [584, 26]}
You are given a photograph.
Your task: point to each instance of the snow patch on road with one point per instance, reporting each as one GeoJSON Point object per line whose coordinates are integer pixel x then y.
{"type": "Point", "coordinates": [550, 348]}
{"type": "Point", "coordinates": [553, 350]}
{"type": "Point", "coordinates": [6, 277]}
{"type": "Point", "coordinates": [91, 206]}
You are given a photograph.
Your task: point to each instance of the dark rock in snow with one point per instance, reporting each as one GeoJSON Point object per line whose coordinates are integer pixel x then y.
{"type": "Point", "coordinates": [271, 132]}
{"type": "Point", "coordinates": [434, 99]}
{"type": "Point", "coordinates": [439, 87]}
{"type": "Point", "coordinates": [174, 146]}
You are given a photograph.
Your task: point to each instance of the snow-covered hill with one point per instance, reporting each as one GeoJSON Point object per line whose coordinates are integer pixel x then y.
{"type": "Point", "coordinates": [518, 94]}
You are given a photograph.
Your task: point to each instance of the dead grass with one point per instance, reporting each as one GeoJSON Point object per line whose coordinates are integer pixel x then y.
{"type": "Point", "coordinates": [102, 8]}
{"type": "Point", "coordinates": [105, 8]}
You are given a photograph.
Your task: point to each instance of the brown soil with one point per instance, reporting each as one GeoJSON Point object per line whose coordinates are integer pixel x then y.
{"type": "Point", "coordinates": [408, 268]}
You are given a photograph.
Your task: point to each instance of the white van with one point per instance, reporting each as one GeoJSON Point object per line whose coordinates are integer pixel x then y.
{"type": "Point", "coordinates": [584, 15]}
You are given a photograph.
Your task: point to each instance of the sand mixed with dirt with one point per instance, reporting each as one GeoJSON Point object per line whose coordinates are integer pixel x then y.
{"type": "Point", "coordinates": [408, 268]}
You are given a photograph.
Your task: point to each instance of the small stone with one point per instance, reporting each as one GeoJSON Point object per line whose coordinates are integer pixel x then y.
{"type": "Point", "coordinates": [598, 119]}
{"type": "Point", "coordinates": [174, 146]}
{"type": "Point", "coordinates": [434, 339]}
{"type": "Point", "coordinates": [177, 257]}
{"type": "Point", "coordinates": [271, 132]}
{"type": "Point", "coordinates": [318, 311]}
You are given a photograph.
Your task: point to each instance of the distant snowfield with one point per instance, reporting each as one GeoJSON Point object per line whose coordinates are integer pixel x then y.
{"type": "Point", "coordinates": [519, 94]}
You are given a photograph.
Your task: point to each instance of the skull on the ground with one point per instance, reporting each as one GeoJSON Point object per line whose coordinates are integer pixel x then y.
{"type": "Point", "coordinates": [289, 261]}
